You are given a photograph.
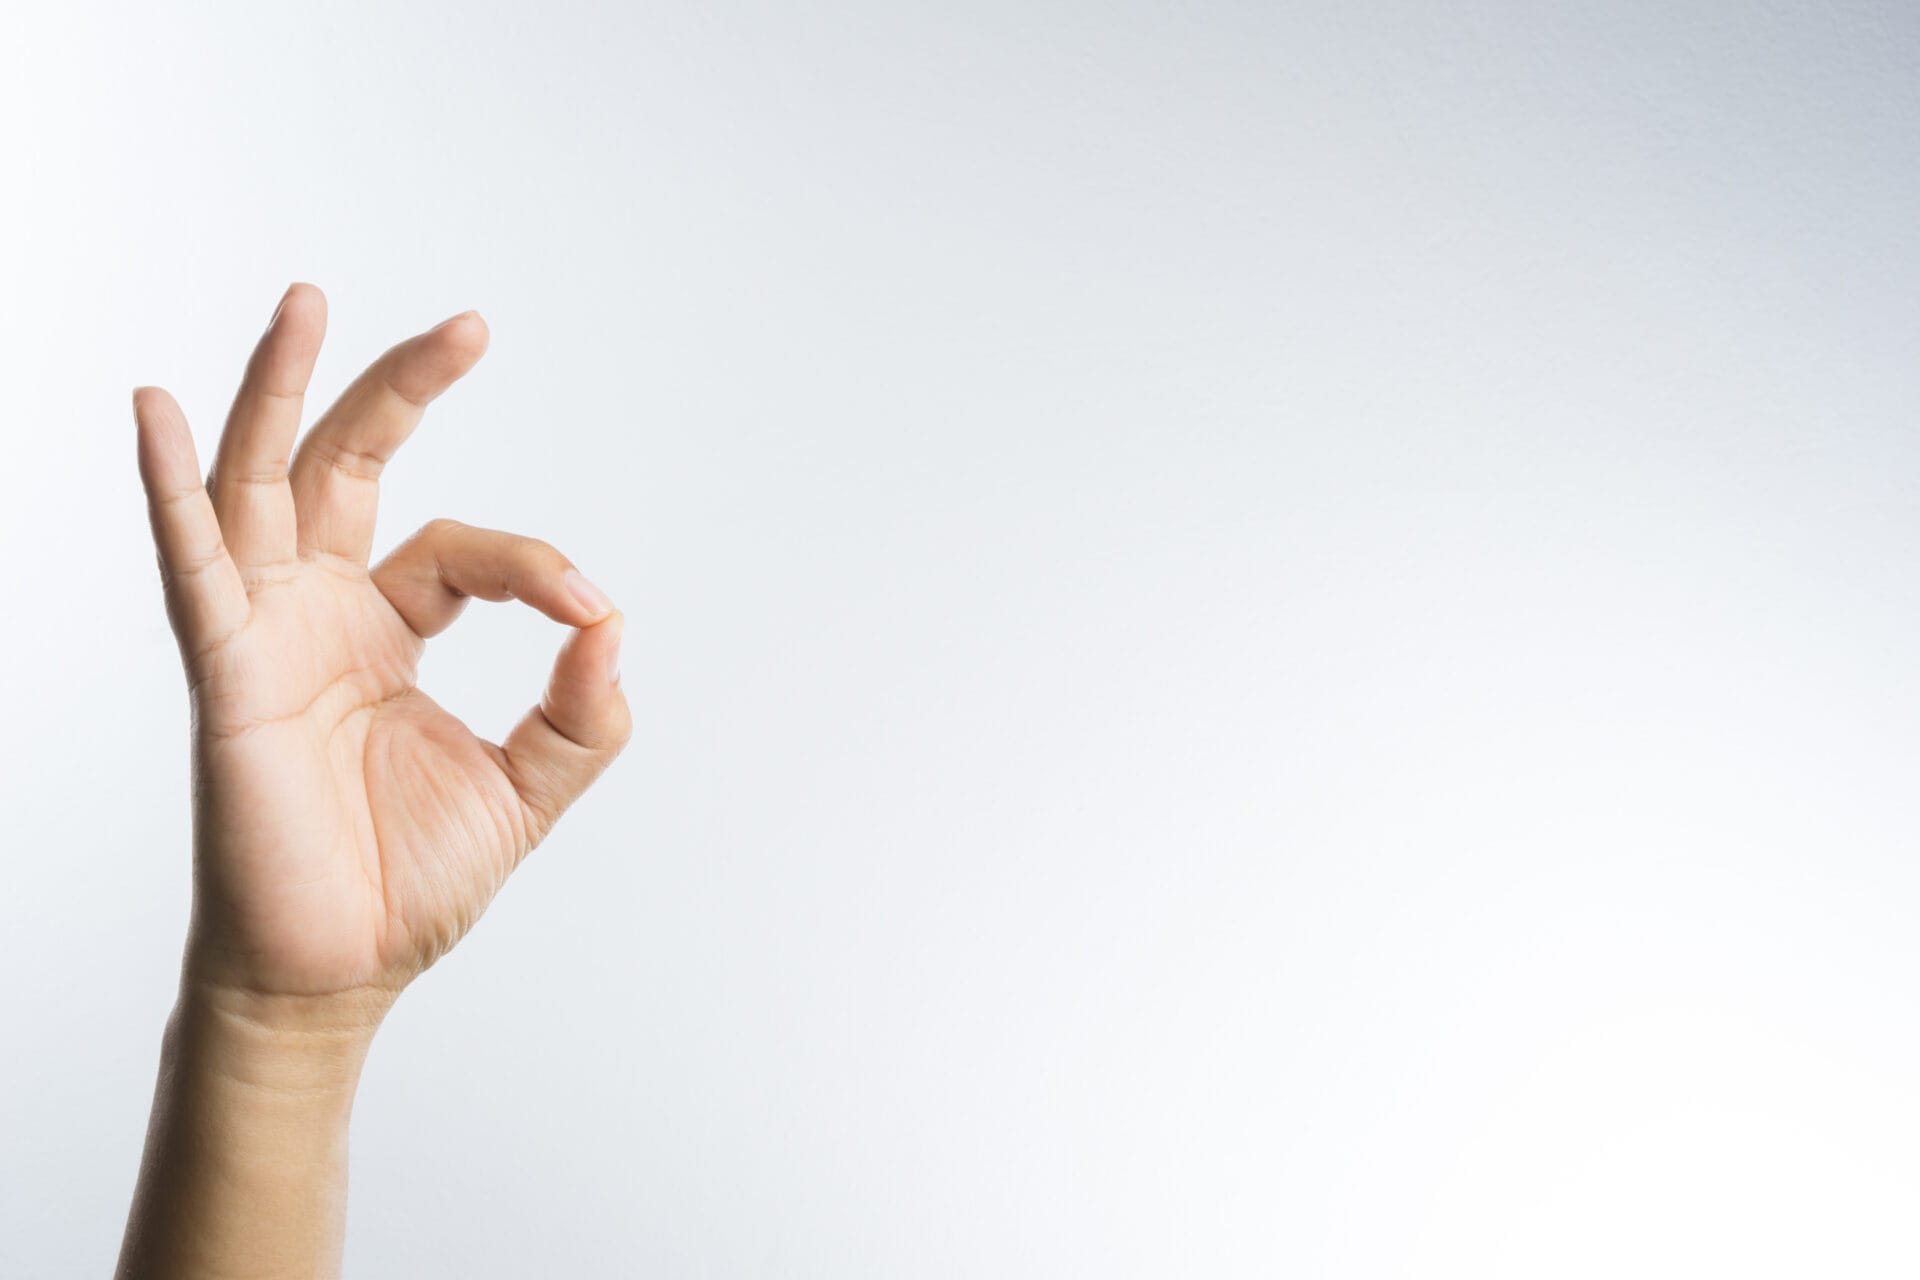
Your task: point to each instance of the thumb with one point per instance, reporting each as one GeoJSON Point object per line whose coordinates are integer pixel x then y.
{"type": "Point", "coordinates": [562, 745]}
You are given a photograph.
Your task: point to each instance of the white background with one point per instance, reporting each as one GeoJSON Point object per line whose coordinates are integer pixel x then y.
{"type": "Point", "coordinates": [1269, 639]}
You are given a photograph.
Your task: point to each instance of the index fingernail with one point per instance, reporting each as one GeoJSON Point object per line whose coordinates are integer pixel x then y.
{"type": "Point", "coordinates": [591, 598]}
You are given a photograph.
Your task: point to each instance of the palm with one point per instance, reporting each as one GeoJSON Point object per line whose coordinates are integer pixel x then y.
{"type": "Point", "coordinates": [349, 830]}
{"type": "Point", "coordinates": [354, 824]}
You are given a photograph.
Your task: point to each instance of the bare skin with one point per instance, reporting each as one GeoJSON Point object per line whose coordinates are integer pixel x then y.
{"type": "Point", "coordinates": [347, 830]}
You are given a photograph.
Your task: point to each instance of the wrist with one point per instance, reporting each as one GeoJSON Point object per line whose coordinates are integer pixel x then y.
{"type": "Point", "coordinates": [303, 1044]}
{"type": "Point", "coordinates": [256, 1093]}
{"type": "Point", "coordinates": [280, 991]}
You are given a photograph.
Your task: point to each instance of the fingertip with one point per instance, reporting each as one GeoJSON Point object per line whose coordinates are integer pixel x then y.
{"type": "Point", "coordinates": [303, 302]}
{"type": "Point", "coordinates": [425, 366]}
{"type": "Point", "coordinates": [590, 659]}
{"type": "Point", "coordinates": [152, 406]}
{"type": "Point", "coordinates": [165, 447]}
{"type": "Point", "coordinates": [584, 700]}
{"type": "Point", "coordinates": [471, 334]}
{"type": "Point", "coordinates": [465, 333]}
{"type": "Point", "coordinates": [617, 624]}
{"type": "Point", "coordinates": [283, 360]}
{"type": "Point", "coordinates": [596, 643]}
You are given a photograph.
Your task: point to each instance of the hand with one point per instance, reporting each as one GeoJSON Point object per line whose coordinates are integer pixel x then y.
{"type": "Point", "coordinates": [347, 830]}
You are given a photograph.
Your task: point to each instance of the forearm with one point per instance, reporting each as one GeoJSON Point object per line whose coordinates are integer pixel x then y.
{"type": "Point", "coordinates": [245, 1170]}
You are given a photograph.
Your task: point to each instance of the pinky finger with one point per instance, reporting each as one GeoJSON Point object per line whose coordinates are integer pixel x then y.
{"type": "Point", "coordinates": [205, 595]}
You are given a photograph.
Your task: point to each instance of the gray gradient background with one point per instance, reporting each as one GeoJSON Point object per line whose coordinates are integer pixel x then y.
{"type": "Point", "coordinates": [1268, 639]}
